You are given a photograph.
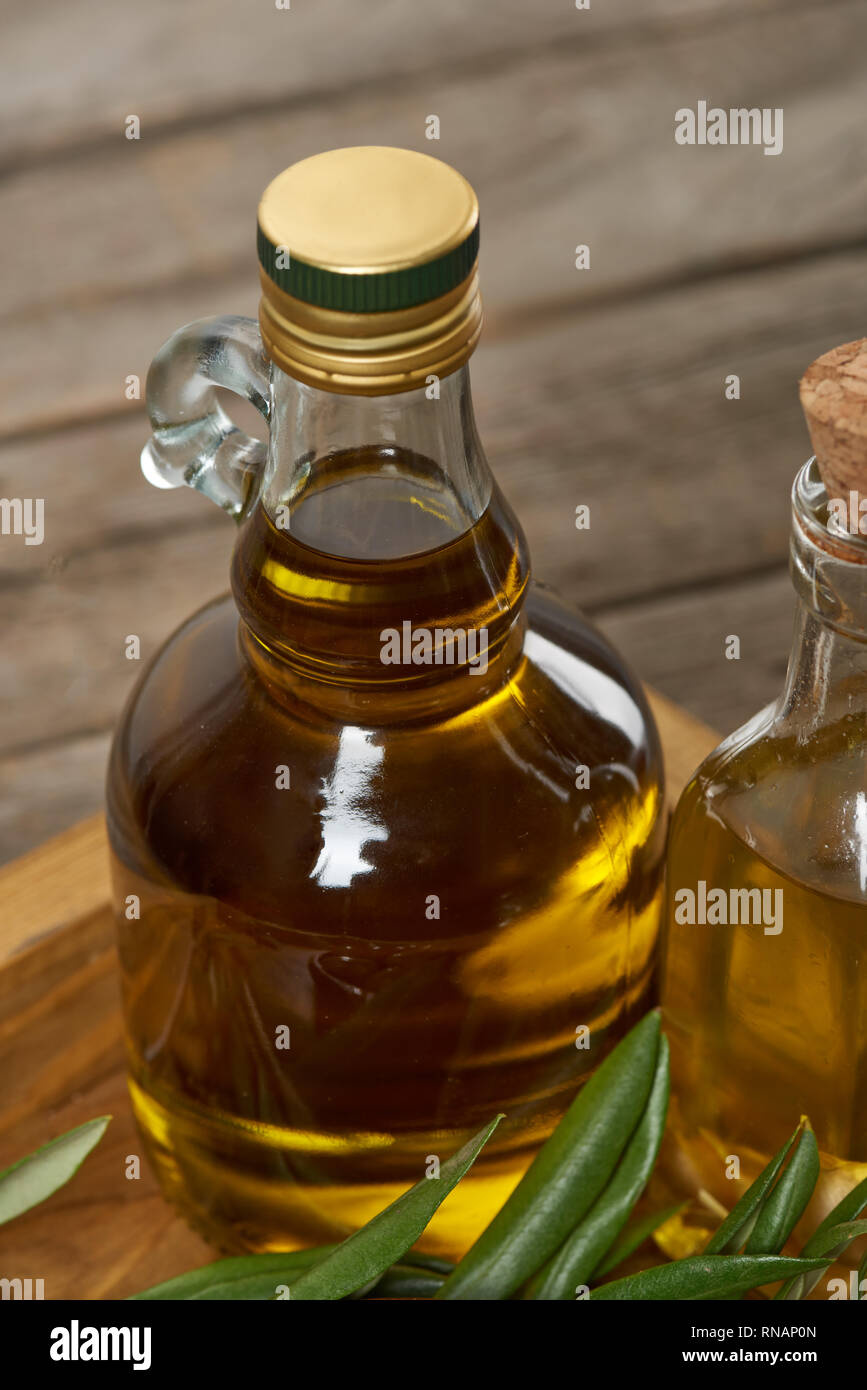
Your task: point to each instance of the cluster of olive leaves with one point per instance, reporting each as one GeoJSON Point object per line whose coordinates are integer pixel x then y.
{"type": "Point", "coordinates": [565, 1228]}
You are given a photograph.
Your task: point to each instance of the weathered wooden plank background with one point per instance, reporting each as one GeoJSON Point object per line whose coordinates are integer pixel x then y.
{"type": "Point", "coordinates": [603, 386]}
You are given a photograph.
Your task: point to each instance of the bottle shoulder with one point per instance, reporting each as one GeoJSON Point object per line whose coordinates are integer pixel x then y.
{"type": "Point", "coordinates": [568, 684]}
{"type": "Point", "coordinates": [591, 679]}
{"type": "Point", "coordinates": [221, 785]}
{"type": "Point", "coordinates": [795, 796]}
{"type": "Point", "coordinates": [189, 681]}
{"type": "Point", "coordinates": [731, 766]}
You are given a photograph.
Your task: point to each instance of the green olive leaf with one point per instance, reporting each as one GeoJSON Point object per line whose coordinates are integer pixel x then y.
{"type": "Point", "coordinates": [256, 1278]}
{"type": "Point", "coordinates": [574, 1262]}
{"type": "Point", "coordinates": [788, 1201]}
{"type": "Point", "coordinates": [405, 1281]}
{"type": "Point", "coordinates": [743, 1215]}
{"type": "Point", "coordinates": [704, 1277]}
{"type": "Point", "coordinates": [368, 1253]}
{"type": "Point", "coordinates": [248, 1277]}
{"type": "Point", "coordinates": [566, 1176]}
{"type": "Point", "coordinates": [633, 1235]}
{"type": "Point", "coordinates": [830, 1241]}
{"type": "Point", "coordinates": [847, 1209]}
{"type": "Point", "coordinates": [35, 1177]}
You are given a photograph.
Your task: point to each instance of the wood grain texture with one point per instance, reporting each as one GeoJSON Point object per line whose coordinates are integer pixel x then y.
{"type": "Point", "coordinates": [584, 152]}
{"type": "Point", "coordinates": [46, 789]}
{"type": "Point", "coordinates": [61, 1056]}
{"type": "Point", "coordinates": [175, 65]}
{"type": "Point", "coordinates": [679, 642]}
{"type": "Point", "coordinates": [572, 408]}
{"type": "Point", "coordinates": [666, 463]}
{"type": "Point", "coordinates": [602, 387]}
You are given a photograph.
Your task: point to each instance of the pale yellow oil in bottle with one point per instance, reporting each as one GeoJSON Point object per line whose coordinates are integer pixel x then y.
{"type": "Point", "coordinates": [767, 1024]}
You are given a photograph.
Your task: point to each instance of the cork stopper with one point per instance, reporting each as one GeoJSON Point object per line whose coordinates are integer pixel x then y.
{"type": "Point", "coordinates": [834, 400]}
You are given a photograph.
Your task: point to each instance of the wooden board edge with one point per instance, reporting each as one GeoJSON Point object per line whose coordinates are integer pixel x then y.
{"type": "Point", "coordinates": [54, 886]}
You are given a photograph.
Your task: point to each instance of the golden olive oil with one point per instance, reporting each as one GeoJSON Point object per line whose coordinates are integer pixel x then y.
{"type": "Point", "coordinates": [330, 984]}
{"type": "Point", "coordinates": [768, 1018]}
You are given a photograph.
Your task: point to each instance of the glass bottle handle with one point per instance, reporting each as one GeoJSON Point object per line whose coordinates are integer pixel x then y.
{"type": "Point", "coordinates": [194, 441]}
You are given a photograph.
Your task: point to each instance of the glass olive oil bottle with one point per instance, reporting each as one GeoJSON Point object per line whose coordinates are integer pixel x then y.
{"type": "Point", "coordinates": [388, 815]}
{"type": "Point", "coordinates": [765, 961]}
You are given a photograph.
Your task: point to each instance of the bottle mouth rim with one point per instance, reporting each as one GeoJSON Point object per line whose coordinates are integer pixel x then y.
{"type": "Point", "coordinates": [825, 522]}
{"type": "Point", "coordinates": [827, 561]}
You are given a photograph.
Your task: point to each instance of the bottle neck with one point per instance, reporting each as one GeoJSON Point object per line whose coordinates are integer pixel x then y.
{"type": "Point", "coordinates": [381, 557]}
{"type": "Point", "coordinates": [375, 477]}
{"type": "Point", "coordinates": [827, 674]}
{"type": "Point", "coordinates": [826, 680]}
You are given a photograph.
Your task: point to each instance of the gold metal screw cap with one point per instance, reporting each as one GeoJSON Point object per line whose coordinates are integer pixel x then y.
{"type": "Point", "coordinates": [368, 269]}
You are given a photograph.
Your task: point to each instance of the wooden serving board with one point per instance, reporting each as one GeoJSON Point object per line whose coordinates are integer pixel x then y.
{"type": "Point", "coordinates": [61, 1062]}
